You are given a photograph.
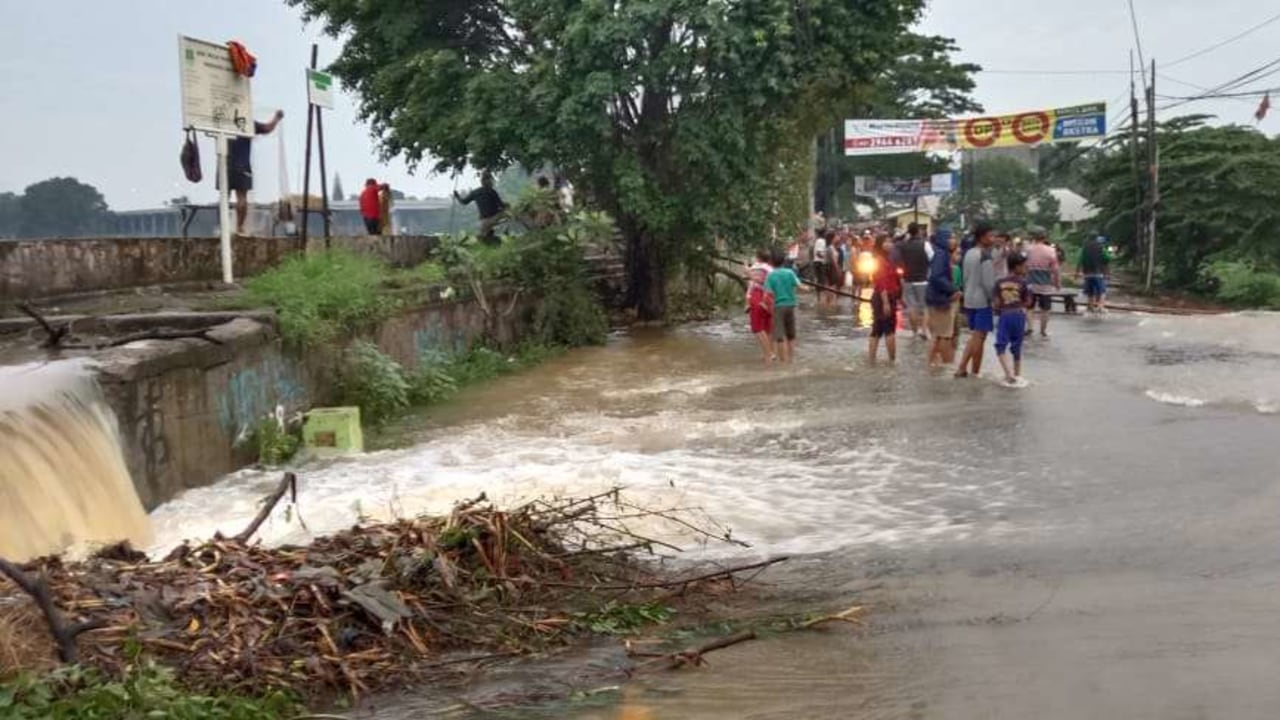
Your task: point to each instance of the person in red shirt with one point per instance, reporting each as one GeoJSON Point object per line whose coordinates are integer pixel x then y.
{"type": "Point", "coordinates": [371, 207]}
{"type": "Point", "coordinates": [885, 291]}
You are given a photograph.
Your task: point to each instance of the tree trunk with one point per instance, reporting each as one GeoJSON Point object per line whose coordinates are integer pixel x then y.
{"type": "Point", "coordinates": [646, 274]}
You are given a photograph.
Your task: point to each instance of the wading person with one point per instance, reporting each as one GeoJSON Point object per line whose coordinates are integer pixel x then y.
{"type": "Point", "coordinates": [979, 285]}
{"type": "Point", "coordinates": [370, 207]}
{"type": "Point", "coordinates": [914, 254]}
{"type": "Point", "coordinates": [1043, 275]}
{"type": "Point", "coordinates": [240, 167]}
{"type": "Point", "coordinates": [940, 302]}
{"type": "Point", "coordinates": [489, 206]}
{"type": "Point", "coordinates": [885, 290]}
{"type": "Point", "coordinates": [1012, 299]}
{"type": "Point", "coordinates": [1095, 265]}
{"type": "Point", "coordinates": [759, 313]}
{"type": "Point", "coordinates": [780, 295]}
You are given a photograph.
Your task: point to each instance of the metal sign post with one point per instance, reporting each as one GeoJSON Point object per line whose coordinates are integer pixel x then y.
{"type": "Point", "coordinates": [319, 95]}
{"type": "Point", "coordinates": [217, 101]}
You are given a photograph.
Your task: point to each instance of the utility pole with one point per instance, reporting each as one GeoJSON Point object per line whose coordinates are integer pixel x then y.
{"type": "Point", "coordinates": [1139, 221]}
{"type": "Point", "coordinates": [1153, 168]}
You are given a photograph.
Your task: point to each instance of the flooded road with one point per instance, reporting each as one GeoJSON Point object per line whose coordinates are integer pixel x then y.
{"type": "Point", "coordinates": [1103, 543]}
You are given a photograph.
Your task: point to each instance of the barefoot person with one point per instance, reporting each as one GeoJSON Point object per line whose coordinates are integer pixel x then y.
{"type": "Point", "coordinates": [885, 291]}
{"type": "Point", "coordinates": [758, 310]}
{"type": "Point", "coordinates": [979, 286]}
{"type": "Point", "coordinates": [780, 291]}
{"type": "Point", "coordinates": [1095, 265]}
{"type": "Point", "coordinates": [1012, 299]}
{"type": "Point", "coordinates": [915, 255]}
{"type": "Point", "coordinates": [940, 297]}
{"type": "Point", "coordinates": [240, 167]}
{"type": "Point", "coordinates": [1044, 275]}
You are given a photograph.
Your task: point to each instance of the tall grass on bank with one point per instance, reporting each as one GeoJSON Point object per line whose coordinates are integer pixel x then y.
{"type": "Point", "coordinates": [323, 297]}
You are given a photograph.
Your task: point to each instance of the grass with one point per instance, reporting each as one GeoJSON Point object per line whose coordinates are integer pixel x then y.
{"type": "Point", "coordinates": [145, 691]}
{"type": "Point", "coordinates": [321, 297]}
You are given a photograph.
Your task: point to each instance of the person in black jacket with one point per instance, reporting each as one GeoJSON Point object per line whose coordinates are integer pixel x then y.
{"type": "Point", "coordinates": [488, 204]}
{"type": "Point", "coordinates": [940, 301]}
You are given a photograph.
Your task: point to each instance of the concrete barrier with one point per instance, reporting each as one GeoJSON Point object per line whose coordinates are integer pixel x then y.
{"type": "Point", "coordinates": [31, 269]}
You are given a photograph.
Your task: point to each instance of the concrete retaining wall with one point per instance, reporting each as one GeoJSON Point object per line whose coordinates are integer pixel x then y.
{"type": "Point", "coordinates": [48, 268]}
{"type": "Point", "coordinates": [186, 407]}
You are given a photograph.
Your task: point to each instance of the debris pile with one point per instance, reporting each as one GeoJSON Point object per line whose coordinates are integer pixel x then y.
{"type": "Point", "coordinates": [360, 610]}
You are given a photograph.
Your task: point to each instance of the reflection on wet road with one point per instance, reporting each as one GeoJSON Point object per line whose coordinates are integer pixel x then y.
{"type": "Point", "coordinates": [1100, 544]}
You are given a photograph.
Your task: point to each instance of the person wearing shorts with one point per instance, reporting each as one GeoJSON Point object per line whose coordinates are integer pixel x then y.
{"type": "Point", "coordinates": [1012, 299]}
{"type": "Point", "coordinates": [1095, 265]}
{"type": "Point", "coordinates": [780, 291]}
{"type": "Point", "coordinates": [1043, 275]}
{"type": "Point", "coordinates": [914, 254]}
{"type": "Point", "coordinates": [884, 307]}
{"type": "Point", "coordinates": [940, 296]}
{"type": "Point", "coordinates": [979, 287]}
{"type": "Point", "coordinates": [761, 316]}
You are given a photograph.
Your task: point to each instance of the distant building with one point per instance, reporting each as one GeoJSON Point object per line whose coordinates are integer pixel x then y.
{"type": "Point", "coordinates": [430, 216]}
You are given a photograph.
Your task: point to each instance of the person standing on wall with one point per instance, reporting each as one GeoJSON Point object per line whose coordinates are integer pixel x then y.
{"type": "Point", "coordinates": [240, 167]}
{"type": "Point", "coordinates": [371, 207]}
{"type": "Point", "coordinates": [489, 205]}
{"type": "Point", "coordinates": [385, 201]}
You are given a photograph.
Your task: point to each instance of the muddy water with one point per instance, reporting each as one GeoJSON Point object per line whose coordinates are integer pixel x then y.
{"type": "Point", "coordinates": [1099, 544]}
{"type": "Point", "coordinates": [63, 480]}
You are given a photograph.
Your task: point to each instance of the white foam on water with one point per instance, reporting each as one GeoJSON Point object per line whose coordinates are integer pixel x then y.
{"type": "Point", "coordinates": [780, 491]}
{"type": "Point", "coordinates": [1172, 399]}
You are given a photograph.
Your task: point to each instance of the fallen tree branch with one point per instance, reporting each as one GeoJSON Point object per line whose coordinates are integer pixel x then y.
{"type": "Point", "coordinates": [55, 335]}
{"type": "Point", "coordinates": [693, 656]}
{"type": "Point", "coordinates": [64, 634]}
{"type": "Point", "coordinates": [289, 481]}
{"type": "Point", "coordinates": [148, 335]}
{"type": "Point", "coordinates": [850, 616]}
{"type": "Point", "coordinates": [727, 572]}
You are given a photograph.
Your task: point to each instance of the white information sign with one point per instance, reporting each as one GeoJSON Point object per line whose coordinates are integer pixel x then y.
{"type": "Point", "coordinates": [215, 98]}
{"type": "Point", "coordinates": [320, 89]}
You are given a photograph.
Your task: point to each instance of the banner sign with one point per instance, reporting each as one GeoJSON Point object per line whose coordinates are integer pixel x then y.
{"type": "Point", "coordinates": [888, 137]}
{"type": "Point", "coordinates": [905, 188]}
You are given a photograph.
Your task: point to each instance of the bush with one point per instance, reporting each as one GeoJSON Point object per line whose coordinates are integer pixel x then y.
{"type": "Point", "coordinates": [322, 296]}
{"type": "Point", "coordinates": [373, 381]}
{"type": "Point", "coordinates": [1241, 284]}
{"type": "Point", "coordinates": [275, 444]}
{"type": "Point", "coordinates": [145, 691]}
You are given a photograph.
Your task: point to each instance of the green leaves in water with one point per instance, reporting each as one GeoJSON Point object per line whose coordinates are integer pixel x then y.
{"type": "Point", "coordinates": [625, 619]}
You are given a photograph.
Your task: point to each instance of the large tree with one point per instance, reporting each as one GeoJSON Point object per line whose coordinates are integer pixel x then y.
{"type": "Point", "coordinates": [1006, 192]}
{"type": "Point", "coordinates": [682, 118]}
{"type": "Point", "coordinates": [61, 207]}
{"type": "Point", "coordinates": [1219, 197]}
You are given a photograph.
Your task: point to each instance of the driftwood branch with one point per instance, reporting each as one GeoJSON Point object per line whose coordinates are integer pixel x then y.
{"type": "Point", "coordinates": [287, 483]}
{"type": "Point", "coordinates": [693, 656]}
{"type": "Point", "coordinates": [55, 335]}
{"type": "Point", "coordinates": [64, 633]}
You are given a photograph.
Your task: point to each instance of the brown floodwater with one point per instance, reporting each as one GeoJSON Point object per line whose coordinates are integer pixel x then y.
{"type": "Point", "coordinates": [1101, 544]}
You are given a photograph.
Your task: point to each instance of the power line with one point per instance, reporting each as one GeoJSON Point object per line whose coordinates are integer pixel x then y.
{"type": "Point", "coordinates": [1223, 43]}
{"type": "Point", "coordinates": [1137, 39]}
{"type": "Point", "coordinates": [1241, 80]}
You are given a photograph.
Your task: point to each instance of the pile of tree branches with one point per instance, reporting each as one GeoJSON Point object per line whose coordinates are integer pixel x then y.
{"type": "Point", "coordinates": [373, 606]}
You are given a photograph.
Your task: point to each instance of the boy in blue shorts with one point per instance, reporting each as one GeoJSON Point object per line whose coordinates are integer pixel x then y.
{"type": "Point", "coordinates": [1012, 298]}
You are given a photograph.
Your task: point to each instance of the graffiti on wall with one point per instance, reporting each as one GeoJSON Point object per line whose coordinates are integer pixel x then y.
{"type": "Point", "coordinates": [253, 392]}
{"type": "Point", "coordinates": [438, 340]}
{"type": "Point", "coordinates": [149, 422]}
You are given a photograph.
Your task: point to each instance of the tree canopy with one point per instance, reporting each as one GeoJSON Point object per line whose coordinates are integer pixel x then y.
{"type": "Point", "coordinates": [682, 118]}
{"type": "Point", "coordinates": [1006, 192]}
{"type": "Point", "coordinates": [1219, 198]}
{"type": "Point", "coordinates": [57, 207]}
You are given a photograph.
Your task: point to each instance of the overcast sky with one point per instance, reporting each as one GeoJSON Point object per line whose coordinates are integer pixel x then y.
{"type": "Point", "coordinates": [91, 87]}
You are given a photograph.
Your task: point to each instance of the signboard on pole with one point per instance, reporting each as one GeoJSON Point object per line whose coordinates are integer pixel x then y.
{"type": "Point", "coordinates": [889, 137]}
{"type": "Point", "coordinates": [320, 89]}
{"type": "Point", "coordinates": [905, 188]}
{"type": "Point", "coordinates": [215, 98]}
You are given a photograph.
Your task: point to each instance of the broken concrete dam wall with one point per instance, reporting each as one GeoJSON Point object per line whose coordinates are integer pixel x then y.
{"type": "Point", "coordinates": [187, 407]}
